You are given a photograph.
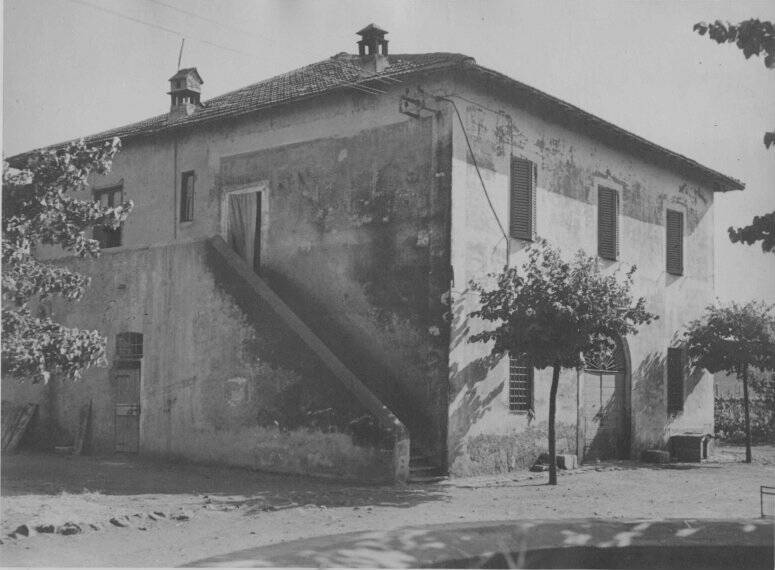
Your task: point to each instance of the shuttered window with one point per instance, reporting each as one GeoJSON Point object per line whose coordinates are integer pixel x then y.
{"type": "Point", "coordinates": [607, 223]}
{"type": "Point", "coordinates": [520, 384]}
{"type": "Point", "coordinates": [187, 196]}
{"type": "Point", "coordinates": [675, 242]}
{"type": "Point", "coordinates": [675, 380]}
{"type": "Point", "coordinates": [522, 222]}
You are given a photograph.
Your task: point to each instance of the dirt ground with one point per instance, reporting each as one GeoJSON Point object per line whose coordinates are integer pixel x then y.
{"type": "Point", "coordinates": [131, 512]}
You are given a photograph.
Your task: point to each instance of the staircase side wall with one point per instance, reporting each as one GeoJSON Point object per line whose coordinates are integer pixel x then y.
{"type": "Point", "coordinates": [216, 387]}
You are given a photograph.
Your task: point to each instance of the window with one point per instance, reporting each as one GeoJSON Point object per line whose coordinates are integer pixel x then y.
{"type": "Point", "coordinates": [109, 198]}
{"type": "Point", "coordinates": [607, 223]}
{"type": "Point", "coordinates": [187, 196]}
{"type": "Point", "coordinates": [675, 380]}
{"type": "Point", "coordinates": [674, 225]}
{"type": "Point", "coordinates": [129, 345]}
{"type": "Point", "coordinates": [520, 384]}
{"type": "Point", "coordinates": [522, 222]}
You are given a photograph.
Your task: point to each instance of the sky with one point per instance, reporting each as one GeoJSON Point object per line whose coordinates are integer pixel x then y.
{"type": "Point", "coordinates": [76, 67]}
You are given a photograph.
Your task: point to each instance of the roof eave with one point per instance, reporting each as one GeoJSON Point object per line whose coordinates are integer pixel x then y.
{"type": "Point", "coordinates": [718, 181]}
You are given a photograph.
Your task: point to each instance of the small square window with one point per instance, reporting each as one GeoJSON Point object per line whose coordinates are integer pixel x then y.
{"type": "Point", "coordinates": [129, 345]}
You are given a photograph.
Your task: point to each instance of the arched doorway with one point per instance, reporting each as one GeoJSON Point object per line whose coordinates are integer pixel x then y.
{"type": "Point", "coordinates": [604, 404]}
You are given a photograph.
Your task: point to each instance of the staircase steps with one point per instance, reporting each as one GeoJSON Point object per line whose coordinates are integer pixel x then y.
{"type": "Point", "coordinates": [424, 469]}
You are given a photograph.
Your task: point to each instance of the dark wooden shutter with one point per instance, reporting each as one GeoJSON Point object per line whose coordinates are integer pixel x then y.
{"type": "Point", "coordinates": [675, 242]}
{"type": "Point", "coordinates": [523, 199]}
{"type": "Point", "coordinates": [675, 380]}
{"type": "Point", "coordinates": [520, 384]}
{"type": "Point", "coordinates": [607, 223]}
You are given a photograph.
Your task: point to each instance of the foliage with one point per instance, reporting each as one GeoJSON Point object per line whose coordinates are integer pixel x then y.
{"type": "Point", "coordinates": [733, 337]}
{"type": "Point", "coordinates": [554, 312]}
{"type": "Point", "coordinates": [557, 311]}
{"type": "Point", "coordinates": [39, 209]}
{"type": "Point", "coordinates": [761, 229]}
{"type": "Point", "coordinates": [753, 37]}
{"type": "Point", "coordinates": [729, 413]}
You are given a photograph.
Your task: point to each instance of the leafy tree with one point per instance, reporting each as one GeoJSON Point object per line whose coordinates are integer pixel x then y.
{"type": "Point", "coordinates": [732, 339]}
{"type": "Point", "coordinates": [762, 228]}
{"type": "Point", "coordinates": [554, 312]}
{"type": "Point", "coordinates": [753, 37]}
{"type": "Point", "coordinates": [39, 209]}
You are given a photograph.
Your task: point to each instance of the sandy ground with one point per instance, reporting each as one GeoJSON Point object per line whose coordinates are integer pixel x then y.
{"type": "Point", "coordinates": [171, 514]}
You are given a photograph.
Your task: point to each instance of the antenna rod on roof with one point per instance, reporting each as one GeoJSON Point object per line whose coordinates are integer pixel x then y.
{"type": "Point", "coordinates": [180, 54]}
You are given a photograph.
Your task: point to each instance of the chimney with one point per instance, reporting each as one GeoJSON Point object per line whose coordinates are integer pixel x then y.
{"type": "Point", "coordinates": [185, 89]}
{"type": "Point", "coordinates": [373, 47]}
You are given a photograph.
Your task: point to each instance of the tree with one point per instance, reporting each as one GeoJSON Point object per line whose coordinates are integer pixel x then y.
{"type": "Point", "coordinates": [39, 209]}
{"type": "Point", "coordinates": [554, 312]}
{"type": "Point", "coordinates": [732, 339]}
{"type": "Point", "coordinates": [753, 37]}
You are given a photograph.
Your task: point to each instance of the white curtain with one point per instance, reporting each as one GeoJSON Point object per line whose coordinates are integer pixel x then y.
{"type": "Point", "coordinates": [242, 224]}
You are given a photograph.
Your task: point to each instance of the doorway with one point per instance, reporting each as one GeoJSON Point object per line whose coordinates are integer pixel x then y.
{"type": "Point", "coordinates": [126, 379]}
{"type": "Point", "coordinates": [604, 406]}
{"type": "Point", "coordinates": [126, 385]}
{"type": "Point", "coordinates": [245, 225]}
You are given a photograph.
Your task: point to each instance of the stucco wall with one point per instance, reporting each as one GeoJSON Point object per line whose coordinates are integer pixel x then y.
{"type": "Point", "coordinates": [570, 166]}
{"type": "Point", "coordinates": [215, 388]}
{"type": "Point", "coordinates": [357, 231]}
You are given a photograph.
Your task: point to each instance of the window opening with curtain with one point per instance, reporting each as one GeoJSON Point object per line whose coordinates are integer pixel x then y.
{"type": "Point", "coordinates": [110, 198]}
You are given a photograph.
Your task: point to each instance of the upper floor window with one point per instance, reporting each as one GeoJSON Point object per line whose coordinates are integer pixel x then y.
{"type": "Point", "coordinates": [520, 384]}
{"type": "Point", "coordinates": [109, 197]}
{"type": "Point", "coordinates": [522, 214]}
{"type": "Point", "coordinates": [674, 241]}
{"type": "Point", "coordinates": [187, 196]}
{"type": "Point", "coordinates": [607, 223]}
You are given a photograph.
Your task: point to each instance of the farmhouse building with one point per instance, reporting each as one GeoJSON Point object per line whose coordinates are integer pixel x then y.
{"type": "Point", "coordinates": [291, 292]}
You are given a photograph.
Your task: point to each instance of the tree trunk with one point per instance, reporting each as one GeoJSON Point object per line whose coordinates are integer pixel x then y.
{"type": "Point", "coordinates": [744, 369]}
{"type": "Point", "coordinates": [552, 414]}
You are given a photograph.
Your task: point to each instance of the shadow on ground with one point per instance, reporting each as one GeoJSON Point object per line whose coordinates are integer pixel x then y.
{"type": "Point", "coordinates": [587, 543]}
{"type": "Point", "coordinates": [224, 488]}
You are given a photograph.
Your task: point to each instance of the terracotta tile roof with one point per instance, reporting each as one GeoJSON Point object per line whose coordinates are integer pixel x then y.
{"type": "Point", "coordinates": [341, 70]}
{"type": "Point", "coordinates": [345, 71]}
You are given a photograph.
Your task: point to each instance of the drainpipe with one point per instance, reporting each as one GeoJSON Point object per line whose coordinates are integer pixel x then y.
{"type": "Point", "coordinates": [175, 188]}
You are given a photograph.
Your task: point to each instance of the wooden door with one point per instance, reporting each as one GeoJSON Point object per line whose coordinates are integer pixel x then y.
{"type": "Point", "coordinates": [126, 379]}
{"type": "Point", "coordinates": [604, 411]}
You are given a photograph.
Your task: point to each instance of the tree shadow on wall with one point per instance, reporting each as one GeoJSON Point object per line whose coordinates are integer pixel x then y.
{"type": "Point", "coordinates": [473, 405]}
{"type": "Point", "coordinates": [649, 397]}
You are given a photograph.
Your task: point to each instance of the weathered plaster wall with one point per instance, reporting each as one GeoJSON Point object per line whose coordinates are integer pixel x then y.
{"type": "Point", "coordinates": [357, 231]}
{"type": "Point", "coordinates": [215, 387]}
{"type": "Point", "coordinates": [570, 165]}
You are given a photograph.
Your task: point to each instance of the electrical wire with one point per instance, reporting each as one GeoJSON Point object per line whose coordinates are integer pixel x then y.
{"type": "Point", "coordinates": [478, 172]}
{"type": "Point", "coordinates": [357, 85]}
{"type": "Point", "coordinates": [163, 28]}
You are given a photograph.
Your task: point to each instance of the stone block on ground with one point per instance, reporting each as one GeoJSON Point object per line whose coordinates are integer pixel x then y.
{"type": "Point", "coordinates": [567, 461]}
{"type": "Point", "coordinates": [655, 456]}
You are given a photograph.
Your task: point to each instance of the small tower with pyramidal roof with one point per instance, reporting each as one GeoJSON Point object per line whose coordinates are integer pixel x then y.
{"type": "Point", "coordinates": [185, 91]}
{"type": "Point", "coordinates": [372, 41]}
